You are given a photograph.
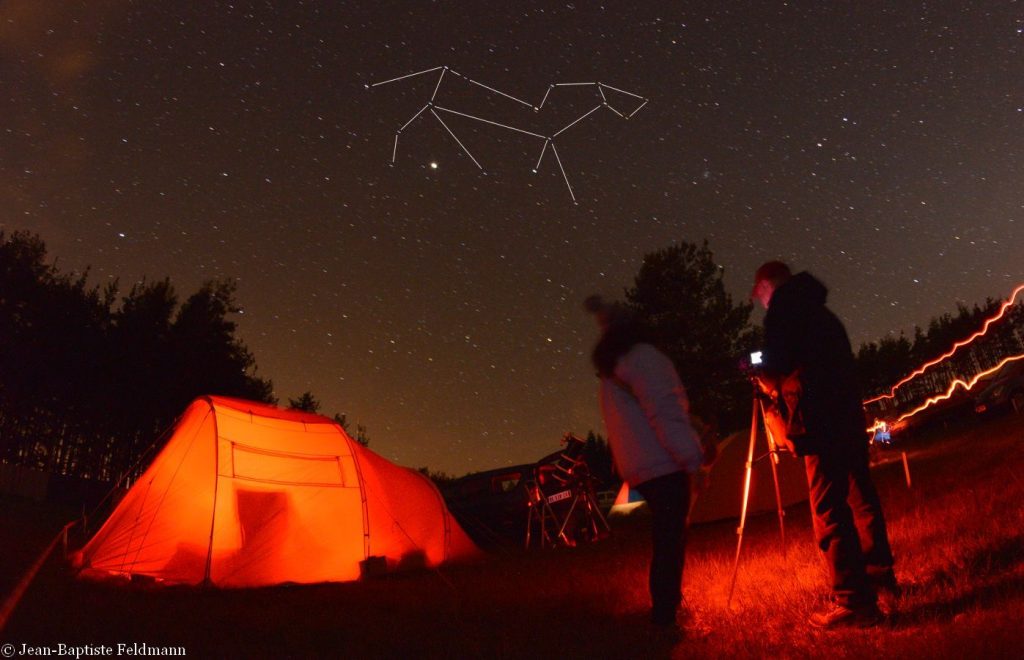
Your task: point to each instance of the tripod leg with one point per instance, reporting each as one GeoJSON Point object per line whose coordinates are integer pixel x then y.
{"type": "Point", "coordinates": [746, 497]}
{"type": "Point", "coordinates": [588, 511]}
{"type": "Point", "coordinates": [529, 524]}
{"type": "Point", "coordinates": [546, 512]}
{"type": "Point", "coordinates": [595, 511]}
{"type": "Point", "coordinates": [773, 447]}
{"type": "Point", "coordinates": [565, 523]}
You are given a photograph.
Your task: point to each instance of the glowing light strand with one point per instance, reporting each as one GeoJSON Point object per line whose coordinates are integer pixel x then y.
{"type": "Point", "coordinates": [967, 385]}
{"type": "Point", "coordinates": [1007, 304]}
{"type": "Point", "coordinates": [548, 140]}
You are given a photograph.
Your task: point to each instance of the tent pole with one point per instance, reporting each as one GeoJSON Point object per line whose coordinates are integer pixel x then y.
{"type": "Point", "coordinates": [362, 491]}
{"type": "Point", "coordinates": [216, 482]}
{"type": "Point", "coordinates": [746, 497]}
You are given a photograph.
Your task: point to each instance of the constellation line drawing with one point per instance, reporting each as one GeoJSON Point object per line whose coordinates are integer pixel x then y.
{"type": "Point", "coordinates": [549, 140]}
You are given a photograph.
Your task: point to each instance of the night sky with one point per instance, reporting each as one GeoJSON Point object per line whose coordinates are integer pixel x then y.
{"type": "Point", "coordinates": [878, 145]}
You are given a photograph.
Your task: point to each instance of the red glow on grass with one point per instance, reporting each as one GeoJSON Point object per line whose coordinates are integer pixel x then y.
{"type": "Point", "coordinates": [957, 346]}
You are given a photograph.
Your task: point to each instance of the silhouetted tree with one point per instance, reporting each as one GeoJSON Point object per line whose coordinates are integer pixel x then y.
{"type": "Point", "coordinates": [52, 339]}
{"type": "Point", "coordinates": [214, 359]}
{"type": "Point", "coordinates": [87, 380]}
{"type": "Point", "coordinates": [360, 435]}
{"type": "Point", "coordinates": [882, 363]}
{"type": "Point", "coordinates": [440, 478]}
{"type": "Point", "coordinates": [306, 403]}
{"type": "Point", "coordinates": [599, 459]}
{"type": "Point", "coordinates": [680, 295]}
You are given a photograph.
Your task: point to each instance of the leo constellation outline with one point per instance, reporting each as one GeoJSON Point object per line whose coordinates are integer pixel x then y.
{"type": "Point", "coordinates": [548, 140]}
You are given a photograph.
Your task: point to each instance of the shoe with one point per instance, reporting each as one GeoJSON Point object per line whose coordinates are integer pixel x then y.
{"type": "Point", "coordinates": [841, 616]}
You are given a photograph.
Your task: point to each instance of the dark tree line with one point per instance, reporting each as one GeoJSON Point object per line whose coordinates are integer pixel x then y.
{"type": "Point", "coordinates": [90, 377]}
{"type": "Point", "coordinates": [883, 363]}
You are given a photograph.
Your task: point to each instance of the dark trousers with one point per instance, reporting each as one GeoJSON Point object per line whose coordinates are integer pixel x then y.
{"type": "Point", "coordinates": [668, 498]}
{"type": "Point", "coordinates": [849, 526]}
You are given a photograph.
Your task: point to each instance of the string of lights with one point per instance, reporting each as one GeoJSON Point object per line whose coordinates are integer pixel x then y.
{"type": "Point", "coordinates": [967, 385]}
{"type": "Point", "coordinates": [1006, 305]}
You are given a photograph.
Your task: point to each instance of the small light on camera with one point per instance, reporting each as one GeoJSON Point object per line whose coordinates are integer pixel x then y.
{"type": "Point", "coordinates": [756, 357]}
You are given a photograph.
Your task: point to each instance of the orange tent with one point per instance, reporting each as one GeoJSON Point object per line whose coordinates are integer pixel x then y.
{"type": "Point", "coordinates": [245, 494]}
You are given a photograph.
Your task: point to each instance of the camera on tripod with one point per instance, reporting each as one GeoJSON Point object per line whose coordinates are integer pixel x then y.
{"type": "Point", "coordinates": [752, 364]}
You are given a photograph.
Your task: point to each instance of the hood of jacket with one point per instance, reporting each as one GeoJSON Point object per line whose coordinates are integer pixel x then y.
{"type": "Point", "coordinates": [800, 293]}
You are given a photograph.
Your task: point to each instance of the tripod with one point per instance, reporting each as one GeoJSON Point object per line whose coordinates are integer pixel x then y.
{"type": "Point", "coordinates": [539, 511]}
{"type": "Point", "coordinates": [773, 454]}
{"type": "Point", "coordinates": [583, 496]}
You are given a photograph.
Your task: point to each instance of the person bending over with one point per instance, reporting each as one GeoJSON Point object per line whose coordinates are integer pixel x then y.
{"type": "Point", "coordinates": [808, 367]}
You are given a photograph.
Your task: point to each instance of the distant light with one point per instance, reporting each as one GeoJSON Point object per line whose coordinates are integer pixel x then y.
{"type": "Point", "coordinates": [433, 165]}
{"type": "Point", "coordinates": [120, 234]}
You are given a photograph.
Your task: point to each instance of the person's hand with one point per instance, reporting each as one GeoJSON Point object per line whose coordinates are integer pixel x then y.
{"type": "Point", "coordinates": [787, 444]}
{"type": "Point", "coordinates": [766, 386]}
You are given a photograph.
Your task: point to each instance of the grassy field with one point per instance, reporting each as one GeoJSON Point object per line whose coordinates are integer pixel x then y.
{"type": "Point", "coordinates": [958, 535]}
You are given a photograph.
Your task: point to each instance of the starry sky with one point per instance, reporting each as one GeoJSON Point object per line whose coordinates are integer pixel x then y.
{"type": "Point", "coordinates": [878, 145]}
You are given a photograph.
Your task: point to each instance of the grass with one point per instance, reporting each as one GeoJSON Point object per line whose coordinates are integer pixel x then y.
{"type": "Point", "coordinates": [958, 536]}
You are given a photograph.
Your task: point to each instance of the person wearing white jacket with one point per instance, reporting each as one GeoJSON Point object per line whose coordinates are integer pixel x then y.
{"type": "Point", "coordinates": [653, 442]}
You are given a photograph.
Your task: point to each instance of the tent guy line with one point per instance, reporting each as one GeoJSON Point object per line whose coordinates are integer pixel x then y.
{"type": "Point", "coordinates": [432, 106]}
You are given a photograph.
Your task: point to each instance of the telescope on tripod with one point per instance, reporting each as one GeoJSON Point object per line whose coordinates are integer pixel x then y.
{"type": "Point", "coordinates": [555, 497]}
{"type": "Point", "coordinates": [549, 521]}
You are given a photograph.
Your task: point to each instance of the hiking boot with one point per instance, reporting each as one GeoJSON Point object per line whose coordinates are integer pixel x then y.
{"type": "Point", "coordinates": [841, 616]}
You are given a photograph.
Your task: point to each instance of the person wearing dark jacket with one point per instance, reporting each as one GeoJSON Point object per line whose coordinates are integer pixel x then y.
{"type": "Point", "coordinates": [808, 366]}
